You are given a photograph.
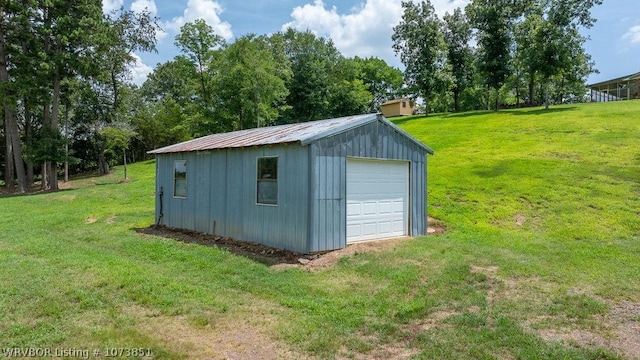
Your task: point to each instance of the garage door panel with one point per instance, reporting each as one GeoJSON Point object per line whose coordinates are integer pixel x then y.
{"type": "Point", "coordinates": [369, 208]}
{"type": "Point", "coordinates": [384, 207]}
{"type": "Point", "coordinates": [354, 209]}
{"type": "Point", "coordinates": [377, 199]}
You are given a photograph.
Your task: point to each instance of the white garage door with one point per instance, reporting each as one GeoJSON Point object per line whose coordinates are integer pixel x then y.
{"type": "Point", "coordinates": [377, 199]}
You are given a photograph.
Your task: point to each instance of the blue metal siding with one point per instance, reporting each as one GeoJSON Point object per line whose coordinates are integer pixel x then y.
{"type": "Point", "coordinates": [311, 211]}
{"type": "Point", "coordinates": [221, 193]}
{"type": "Point", "coordinates": [328, 162]}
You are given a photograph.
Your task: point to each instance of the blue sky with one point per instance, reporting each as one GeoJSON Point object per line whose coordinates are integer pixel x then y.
{"type": "Point", "coordinates": [364, 27]}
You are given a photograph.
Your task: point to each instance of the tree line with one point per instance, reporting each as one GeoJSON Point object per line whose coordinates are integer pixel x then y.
{"type": "Point", "coordinates": [70, 106]}
{"type": "Point", "coordinates": [495, 52]}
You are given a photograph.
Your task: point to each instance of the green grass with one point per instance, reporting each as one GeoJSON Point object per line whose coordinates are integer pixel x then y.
{"type": "Point", "coordinates": [542, 213]}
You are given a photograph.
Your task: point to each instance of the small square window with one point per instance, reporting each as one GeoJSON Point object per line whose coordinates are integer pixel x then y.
{"type": "Point", "coordinates": [180, 178]}
{"type": "Point", "coordinates": [267, 191]}
{"type": "Point", "coordinates": [404, 104]}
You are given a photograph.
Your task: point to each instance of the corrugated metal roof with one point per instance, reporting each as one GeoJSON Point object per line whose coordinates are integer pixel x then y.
{"type": "Point", "coordinates": [304, 133]}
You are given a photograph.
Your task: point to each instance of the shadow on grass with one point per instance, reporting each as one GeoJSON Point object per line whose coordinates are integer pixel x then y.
{"type": "Point", "coordinates": [260, 253]}
{"type": "Point", "coordinates": [35, 189]}
{"type": "Point", "coordinates": [4, 194]}
{"type": "Point", "coordinates": [466, 114]}
{"type": "Point", "coordinates": [538, 111]}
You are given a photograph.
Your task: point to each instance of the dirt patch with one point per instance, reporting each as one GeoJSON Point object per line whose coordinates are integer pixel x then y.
{"type": "Point", "coordinates": [384, 352]}
{"type": "Point", "coordinates": [264, 254]}
{"type": "Point", "coordinates": [229, 337]}
{"type": "Point", "coordinates": [487, 270]}
{"type": "Point", "coordinates": [111, 219]}
{"type": "Point", "coordinates": [519, 219]}
{"type": "Point", "coordinates": [621, 331]}
{"type": "Point", "coordinates": [436, 227]}
{"type": "Point", "coordinates": [279, 258]}
{"type": "Point", "coordinates": [90, 220]}
{"type": "Point", "coordinates": [618, 330]}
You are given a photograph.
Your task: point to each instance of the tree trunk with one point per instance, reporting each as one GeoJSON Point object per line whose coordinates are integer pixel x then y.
{"type": "Point", "coordinates": [517, 96]}
{"type": "Point", "coordinates": [8, 160]}
{"type": "Point", "coordinates": [12, 133]}
{"type": "Point", "coordinates": [531, 89]}
{"type": "Point", "coordinates": [66, 143]}
{"type": "Point", "coordinates": [426, 106]}
{"type": "Point", "coordinates": [546, 96]}
{"type": "Point", "coordinates": [456, 100]}
{"type": "Point", "coordinates": [541, 92]}
{"type": "Point", "coordinates": [44, 185]}
{"type": "Point", "coordinates": [114, 85]}
{"type": "Point", "coordinates": [561, 92]}
{"type": "Point", "coordinates": [103, 166]}
{"type": "Point", "coordinates": [46, 166]}
{"type": "Point", "coordinates": [497, 98]}
{"type": "Point", "coordinates": [28, 126]}
{"type": "Point", "coordinates": [55, 110]}
{"type": "Point", "coordinates": [124, 157]}
{"type": "Point", "coordinates": [28, 135]}
{"type": "Point", "coordinates": [16, 147]}
{"type": "Point", "coordinates": [488, 98]}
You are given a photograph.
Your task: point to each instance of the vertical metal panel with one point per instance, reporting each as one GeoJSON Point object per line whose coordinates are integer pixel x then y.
{"type": "Point", "coordinates": [327, 219]}
{"type": "Point", "coordinates": [235, 192]}
{"type": "Point", "coordinates": [202, 191]}
{"type": "Point", "coordinates": [221, 187]}
{"type": "Point", "coordinates": [218, 178]}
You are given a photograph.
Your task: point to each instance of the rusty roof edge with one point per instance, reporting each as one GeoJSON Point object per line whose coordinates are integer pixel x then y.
{"type": "Point", "coordinates": [167, 148]}
{"type": "Point", "coordinates": [358, 121]}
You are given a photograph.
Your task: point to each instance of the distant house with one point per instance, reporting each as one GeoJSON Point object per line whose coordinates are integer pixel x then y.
{"type": "Point", "coordinates": [306, 187]}
{"type": "Point", "coordinates": [622, 88]}
{"type": "Point", "coordinates": [397, 107]}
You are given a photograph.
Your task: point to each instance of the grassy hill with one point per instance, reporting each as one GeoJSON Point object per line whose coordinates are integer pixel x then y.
{"type": "Point", "coordinates": [541, 259]}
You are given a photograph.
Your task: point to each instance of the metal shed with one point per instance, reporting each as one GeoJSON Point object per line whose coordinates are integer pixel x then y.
{"type": "Point", "coordinates": [305, 187]}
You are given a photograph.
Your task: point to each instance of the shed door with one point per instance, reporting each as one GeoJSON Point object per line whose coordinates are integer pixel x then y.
{"type": "Point", "coordinates": [377, 199]}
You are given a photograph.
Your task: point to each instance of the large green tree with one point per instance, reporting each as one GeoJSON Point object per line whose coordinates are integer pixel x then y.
{"type": "Point", "coordinates": [384, 82]}
{"type": "Point", "coordinates": [198, 41]}
{"type": "Point", "coordinates": [457, 36]}
{"type": "Point", "coordinates": [420, 42]}
{"type": "Point", "coordinates": [349, 94]}
{"type": "Point", "coordinates": [125, 33]}
{"type": "Point", "coordinates": [493, 20]}
{"type": "Point", "coordinates": [66, 44]}
{"type": "Point", "coordinates": [251, 85]}
{"type": "Point", "coordinates": [556, 38]}
{"type": "Point", "coordinates": [312, 59]}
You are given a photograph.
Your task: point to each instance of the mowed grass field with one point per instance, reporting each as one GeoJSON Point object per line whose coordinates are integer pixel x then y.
{"type": "Point", "coordinates": [540, 260]}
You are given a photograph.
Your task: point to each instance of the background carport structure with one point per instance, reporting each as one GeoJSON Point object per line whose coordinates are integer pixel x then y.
{"type": "Point", "coordinates": [622, 88]}
{"type": "Point", "coordinates": [305, 187]}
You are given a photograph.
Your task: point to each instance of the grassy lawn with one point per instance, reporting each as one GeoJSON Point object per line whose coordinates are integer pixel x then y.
{"type": "Point", "coordinates": [540, 260]}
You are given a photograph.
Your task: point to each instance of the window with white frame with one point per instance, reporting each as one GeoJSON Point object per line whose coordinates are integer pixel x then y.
{"type": "Point", "coordinates": [267, 187]}
{"type": "Point", "coordinates": [180, 178]}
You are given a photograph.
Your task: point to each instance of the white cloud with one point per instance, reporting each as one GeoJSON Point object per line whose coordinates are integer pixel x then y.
{"type": "Point", "coordinates": [633, 35]}
{"type": "Point", "coordinates": [110, 5]}
{"type": "Point", "coordinates": [209, 11]}
{"type": "Point", "coordinates": [139, 6]}
{"type": "Point", "coordinates": [366, 31]}
{"type": "Point", "coordinates": [139, 70]}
